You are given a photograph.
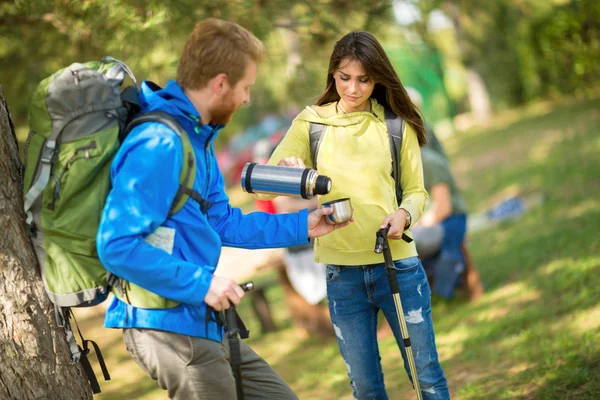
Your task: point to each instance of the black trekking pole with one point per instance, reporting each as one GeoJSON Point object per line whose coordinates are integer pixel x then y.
{"type": "Point", "coordinates": [382, 245]}
{"type": "Point", "coordinates": [235, 330]}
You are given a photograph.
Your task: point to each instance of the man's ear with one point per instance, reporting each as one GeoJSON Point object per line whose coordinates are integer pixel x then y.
{"type": "Point", "coordinates": [220, 84]}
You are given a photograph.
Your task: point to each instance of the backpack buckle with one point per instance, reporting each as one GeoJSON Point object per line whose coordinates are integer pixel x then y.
{"type": "Point", "coordinates": [49, 152]}
{"type": "Point", "coordinates": [31, 229]}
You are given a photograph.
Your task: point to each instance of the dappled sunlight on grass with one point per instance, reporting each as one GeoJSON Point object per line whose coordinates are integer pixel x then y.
{"type": "Point", "coordinates": [513, 293]}
{"type": "Point", "coordinates": [542, 149]}
{"type": "Point", "coordinates": [450, 344]}
{"type": "Point", "coordinates": [548, 330]}
{"type": "Point", "coordinates": [510, 305]}
{"type": "Point", "coordinates": [278, 348]}
{"type": "Point", "coordinates": [573, 265]}
{"type": "Point", "coordinates": [578, 323]}
{"type": "Point", "coordinates": [480, 382]}
{"type": "Point", "coordinates": [519, 368]}
{"type": "Point", "coordinates": [585, 207]}
{"type": "Point", "coordinates": [129, 381]}
{"type": "Point", "coordinates": [571, 279]}
{"type": "Point", "coordinates": [585, 321]}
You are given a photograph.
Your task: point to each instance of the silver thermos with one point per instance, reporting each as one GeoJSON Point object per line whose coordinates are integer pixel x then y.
{"type": "Point", "coordinates": [284, 181]}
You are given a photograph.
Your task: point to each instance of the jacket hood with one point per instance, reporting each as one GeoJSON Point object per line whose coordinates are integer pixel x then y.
{"type": "Point", "coordinates": [328, 114]}
{"type": "Point", "coordinates": [173, 100]}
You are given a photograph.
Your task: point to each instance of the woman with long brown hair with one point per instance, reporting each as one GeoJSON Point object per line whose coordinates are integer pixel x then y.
{"type": "Point", "coordinates": [354, 151]}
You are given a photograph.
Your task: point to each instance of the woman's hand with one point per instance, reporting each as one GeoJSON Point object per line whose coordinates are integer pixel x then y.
{"type": "Point", "coordinates": [291, 162]}
{"type": "Point", "coordinates": [397, 222]}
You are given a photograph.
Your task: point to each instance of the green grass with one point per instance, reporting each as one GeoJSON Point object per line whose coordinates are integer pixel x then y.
{"type": "Point", "coordinates": [536, 332]}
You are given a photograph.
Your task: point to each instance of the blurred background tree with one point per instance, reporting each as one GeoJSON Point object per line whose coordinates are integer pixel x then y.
{"type": "Point", "coordinates": [515, 50]}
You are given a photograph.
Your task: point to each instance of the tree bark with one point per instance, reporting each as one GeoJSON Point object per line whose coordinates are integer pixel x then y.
{"type": "Point", "coordinates": [34, 355]}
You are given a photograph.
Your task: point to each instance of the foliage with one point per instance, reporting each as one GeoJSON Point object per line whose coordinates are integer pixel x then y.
{"type": "Point", "coordinates": [524, 49]}
{"type": "Point", "coordinates": [565, 46]}
{"type": "Point", "coordinates": [45, 35]}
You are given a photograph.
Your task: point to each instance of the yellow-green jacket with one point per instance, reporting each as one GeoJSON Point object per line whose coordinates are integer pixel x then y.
{"type": "Point", "coordinates": [355, 154]}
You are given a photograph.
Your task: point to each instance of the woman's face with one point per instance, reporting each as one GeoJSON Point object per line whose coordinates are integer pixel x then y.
{"type": "Point", "coordinates": [354, 86]}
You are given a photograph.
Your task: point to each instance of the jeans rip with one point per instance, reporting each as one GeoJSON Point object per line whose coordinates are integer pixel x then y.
{"type": "Point", "coordinates": [332, 272]}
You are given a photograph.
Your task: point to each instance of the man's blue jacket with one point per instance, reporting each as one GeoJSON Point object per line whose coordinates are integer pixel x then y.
{"type": "Point", "coordinates": [145, 179]}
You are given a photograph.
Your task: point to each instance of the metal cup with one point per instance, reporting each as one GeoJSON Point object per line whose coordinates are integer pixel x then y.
{"type": "Point", "coordinates": [342, 211]}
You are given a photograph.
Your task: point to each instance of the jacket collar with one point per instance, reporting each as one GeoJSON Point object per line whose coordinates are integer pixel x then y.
{"type": "Point", "coordinates": [172, 99]}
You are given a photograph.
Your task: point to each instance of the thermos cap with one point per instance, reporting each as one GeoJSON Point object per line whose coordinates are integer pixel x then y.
{"type": "Point", "coordinates": [322, 185]}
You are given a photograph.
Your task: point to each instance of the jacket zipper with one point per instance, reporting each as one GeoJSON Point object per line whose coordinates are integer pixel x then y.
{"type": "Point", "coordinates": [207, 156]}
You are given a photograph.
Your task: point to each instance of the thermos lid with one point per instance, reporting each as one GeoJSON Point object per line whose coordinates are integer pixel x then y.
{"type": "Point", "coordinates": [322, 185]}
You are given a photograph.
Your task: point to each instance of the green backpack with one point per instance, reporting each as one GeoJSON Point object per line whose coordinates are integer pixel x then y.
{"type": "Point", "coordinates": [78, 118]}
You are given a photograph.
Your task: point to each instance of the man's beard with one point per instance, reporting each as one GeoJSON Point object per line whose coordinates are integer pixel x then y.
{"type": "Point", "coordinates": [224, 113]}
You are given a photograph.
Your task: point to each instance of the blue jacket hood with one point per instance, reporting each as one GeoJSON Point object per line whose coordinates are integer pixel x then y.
{"type": "Point", "coordinates": [173, 100]}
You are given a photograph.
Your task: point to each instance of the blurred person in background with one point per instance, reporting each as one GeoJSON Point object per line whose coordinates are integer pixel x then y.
{"type": "Point", "coordinates": [441, 230]}
{"type": "Point", "coordinates": [355, 154]}
{"type": "Point", "coordinates": [440, 233]}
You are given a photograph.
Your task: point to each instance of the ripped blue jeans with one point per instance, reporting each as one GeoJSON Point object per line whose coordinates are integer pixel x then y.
{"type": "Point", "coordinates": [355, 295]}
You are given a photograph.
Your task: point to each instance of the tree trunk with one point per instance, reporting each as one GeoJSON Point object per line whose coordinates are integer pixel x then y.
{"type": "Point", "coordinates": [292, 45]}
{"type": "Point", "coordinates": [34, 355]}
{"type": "Point", "coordinates": [477, 92]}
{"type": "Point", "coordinates": [479, 98]}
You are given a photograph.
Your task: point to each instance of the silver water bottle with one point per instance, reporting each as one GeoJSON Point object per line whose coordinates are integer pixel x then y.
{"type": "Point", "coordinates": [284, 181]}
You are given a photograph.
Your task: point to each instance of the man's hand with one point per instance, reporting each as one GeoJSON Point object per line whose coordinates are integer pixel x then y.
{"type": "Point", "coordinates": [317, 226]}
{"type": "Point", "coordinates": [222, 293]}
{"type": "Point", "coordinates": [396, 221]}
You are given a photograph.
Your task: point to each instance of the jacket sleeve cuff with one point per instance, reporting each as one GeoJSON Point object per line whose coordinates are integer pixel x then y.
{"type": "Point", "coordinates": [303, 227]}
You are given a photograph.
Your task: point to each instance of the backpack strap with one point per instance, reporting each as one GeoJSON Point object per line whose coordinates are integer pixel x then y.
{"type": "Point", "coordinates": [47, 157]}
{"type": "Point", "coordinates": [395, 128]}
{"type": "Point", "coordinates": [188, 171]}
{"type": "Point", "coordinates": [315, 131]}
{"type": "Point", "coordinates": [80, 354]}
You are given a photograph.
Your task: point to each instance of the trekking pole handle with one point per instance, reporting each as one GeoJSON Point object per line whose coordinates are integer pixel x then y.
{"type": "Point", "coordinates": [382, 245]}
{"type": "Point", "coordinates": [383, 232]}
{"type": "Point", "coordinates": [247, 286]}
{"type": "Point", "coordinates": [381, 238]}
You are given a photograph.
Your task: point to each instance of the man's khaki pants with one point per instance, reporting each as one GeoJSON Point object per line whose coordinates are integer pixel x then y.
{"type": "Point", "coordinates": [190, 368]}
